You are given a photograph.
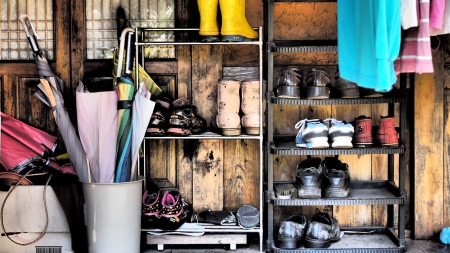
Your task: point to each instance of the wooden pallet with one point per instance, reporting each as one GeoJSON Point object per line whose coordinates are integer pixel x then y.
{"type": "Point", "coordinates": [230, 239]}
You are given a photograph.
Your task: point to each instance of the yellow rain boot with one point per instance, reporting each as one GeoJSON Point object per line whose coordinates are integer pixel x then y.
{"type": "Point", "coordinates": [235, 26]}
{"type": "Point", "coordinates": [209, 31]}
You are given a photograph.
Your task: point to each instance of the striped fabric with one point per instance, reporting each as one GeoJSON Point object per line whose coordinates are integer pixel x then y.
{"type": "Point", "coordinates": [415, 55]}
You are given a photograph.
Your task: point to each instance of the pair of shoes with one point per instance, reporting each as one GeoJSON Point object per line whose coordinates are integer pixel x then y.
{"type": "Point", "coordinates": [184, 119]}
{"type": "Point", "coordinates": [177, 117]}
{"type": "Point", "coordinates": [318, 232]}
{"type": "Point", "coordinates": [168, 212]}
{"type": "Point", "coordinates": [233, 95]}
{"type": "Point", "coordinates": [316, 133]}
{"type": "Point", "coordinates": [289, 82]}
{"type": "Point", "coordinates": [386, 133]}
{"type": "Point", "coordinates": [329, 178]}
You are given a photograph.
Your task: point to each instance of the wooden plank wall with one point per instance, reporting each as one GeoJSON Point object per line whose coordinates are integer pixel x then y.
{"type": "Point", "coordinates": [431, 146]}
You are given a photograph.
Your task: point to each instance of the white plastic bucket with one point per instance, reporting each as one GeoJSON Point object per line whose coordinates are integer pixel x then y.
{"type": "Point", "coordinates": [113, 216]}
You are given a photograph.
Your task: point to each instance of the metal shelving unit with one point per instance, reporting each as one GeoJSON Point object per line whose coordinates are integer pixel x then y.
{"type": "Point", "coordinates": [214, 234]}
{"type": "Point", "coordinates": [388, 239]}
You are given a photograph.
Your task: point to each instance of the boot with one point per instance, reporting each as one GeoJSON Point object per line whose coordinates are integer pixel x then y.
{"type": "Point", "coordinates": [387, 135]}
{"type": "Point", "coordinates": [250, 106]}
{"type": "Point", "coordinates": [209, 31]}
{"type": "Point", "coordinates": [235, 26]}
{"type": "Point", "coordinates": [363, 132]}
{"type": "Point", "coordinates": [228, 102]}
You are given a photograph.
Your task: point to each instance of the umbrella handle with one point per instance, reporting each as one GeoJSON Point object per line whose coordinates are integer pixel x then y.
{"type": "Point", "coordinates": [121, 49]}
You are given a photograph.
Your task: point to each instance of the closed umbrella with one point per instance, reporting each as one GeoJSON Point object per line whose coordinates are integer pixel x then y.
{"type": "Point", "coordinates": [142, 112]}
{"type": "Point", "coordinates": [52, 86]}
{"type": "Point", "coordinates": [125, 93]}
{"type": "Point", "coordinates": [97, 126]}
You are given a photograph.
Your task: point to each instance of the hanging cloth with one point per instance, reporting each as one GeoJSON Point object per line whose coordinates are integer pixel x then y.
{"type": "Point", "coordinates": [409, 14]}
{"type": "Point", "coordinates": [369, 33]}
{"type": "Point", "coordinates": [437, 8]}
{"type": "Point", "coordinates": [415, 55]}
{"type": "Point", "coordinates": [445, 28]}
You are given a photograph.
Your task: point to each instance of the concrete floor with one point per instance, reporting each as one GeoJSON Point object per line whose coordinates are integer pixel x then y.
{"type": "Point", "coordinates": [412, 246]}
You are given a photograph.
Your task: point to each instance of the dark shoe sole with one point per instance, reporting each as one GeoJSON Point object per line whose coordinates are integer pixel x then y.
{"type": "Point", "coordinates": [350, 93]}
{"type": "Point", "coordinates": [315, 243]}
{"type": "Point", "coordinates": [288, 91]}
{"type": "Point", "coordinates": [318, 92]}
{"type": "Point", "coordinates": [288, 243]}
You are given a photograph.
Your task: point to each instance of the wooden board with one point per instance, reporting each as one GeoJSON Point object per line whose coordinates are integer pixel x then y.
{"type": "Point", "coordinates": [428, 151]}
{"type": "Point", "coordinates": [241, 173]}
{"type": "Point", "coordinates": [222, 239]}
{"type": "Point", "coordinates": [207, 177]}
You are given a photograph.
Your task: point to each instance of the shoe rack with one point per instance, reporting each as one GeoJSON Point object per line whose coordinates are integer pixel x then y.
{"type": "Point", "coordinates": [387, 193]}
{"type": "Point", "coordinates": [231, 235]}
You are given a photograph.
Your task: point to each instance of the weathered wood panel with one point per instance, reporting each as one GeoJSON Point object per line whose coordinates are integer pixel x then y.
{"type": "Point", "coordinates": [446, 178]}
{"type": "Point", "coordinates": [208, 177]}
{"type": "Point", "coordinates": [241, 173]}
{"type": "Point", "coordinates": [293, 21]}
{"type": "Point", "coordinates": [428, 151]}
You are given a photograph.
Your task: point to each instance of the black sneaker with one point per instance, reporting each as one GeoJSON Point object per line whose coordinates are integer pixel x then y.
{"type": "Point", "coordinates": [309, 179]}
{"type": "Point", "coordinates": [322, 230]}
{"type": "Point", "coordinates": [185, 119]}
{"type": "Point", "coordinates": [292, 231]}
{"type": "Point", "coordinates": [317, 84]}
{"type": "Point", "coordinates": [336, 178]}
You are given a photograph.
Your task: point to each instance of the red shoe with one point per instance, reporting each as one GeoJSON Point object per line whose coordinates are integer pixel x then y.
{"type": "Point", "coordinates": [363, 132]}
{"type": "Point", "coordinates": [387, 135]}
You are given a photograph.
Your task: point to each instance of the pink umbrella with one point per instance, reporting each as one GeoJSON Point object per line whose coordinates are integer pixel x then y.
{"type": "Point", "coordinates": [33, 138]}
{"type": "Point", "coordinates": [22, 144]}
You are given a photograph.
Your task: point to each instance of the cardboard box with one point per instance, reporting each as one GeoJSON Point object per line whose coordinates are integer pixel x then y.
{"type": "Point", "coordinates": [24, 215]}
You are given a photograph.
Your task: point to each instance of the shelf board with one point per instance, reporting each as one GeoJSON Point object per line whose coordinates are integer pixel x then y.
{"type": "Point", "coordinates": [206, 135]}
{"type": "Point", "coordinates": [208, 228]}
{"type": "Point", "coordinates": [362, 193]}
{"type": "Point", "coordinates": [353, 243]}
{"type": "Point", "coordinates": [306, 1]}
{"type": "Point", "coordinates": [336, 101]}
{"type": "Point", "coordinates": [303, 46]}
{"type": "Point", "coordinates": [289, 148]}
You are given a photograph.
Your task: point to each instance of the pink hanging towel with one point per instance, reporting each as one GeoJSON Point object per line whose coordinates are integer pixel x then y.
{"type": "Point", "coordinates": [415, 54]}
